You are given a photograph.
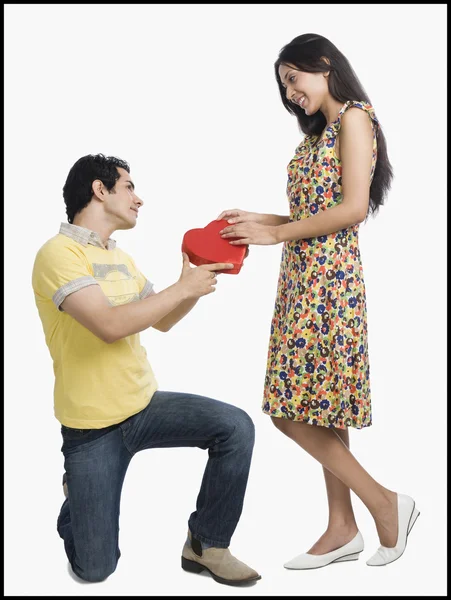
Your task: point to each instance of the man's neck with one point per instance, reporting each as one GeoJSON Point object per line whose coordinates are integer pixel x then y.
{"type": "Point", "coordinates": [104, 232]}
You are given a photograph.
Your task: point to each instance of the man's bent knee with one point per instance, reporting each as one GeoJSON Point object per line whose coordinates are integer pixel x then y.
{"type": "Point", "coordinates": [239, 427]}
{"type": "Point", "coordinates": [245, 426]}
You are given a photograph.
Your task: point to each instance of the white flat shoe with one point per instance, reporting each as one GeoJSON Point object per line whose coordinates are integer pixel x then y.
{"type": "Point", "coordinates": [349, 551]}
{"type": "Point", "coordinates": [407, 515]}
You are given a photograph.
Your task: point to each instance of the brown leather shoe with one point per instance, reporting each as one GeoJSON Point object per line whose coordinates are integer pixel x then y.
{"type": "Point", "coordinates": [219, 562]}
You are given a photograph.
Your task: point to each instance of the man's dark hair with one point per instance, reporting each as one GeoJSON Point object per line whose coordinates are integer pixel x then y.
{"type": "Point", "coordinates": [77, 191]}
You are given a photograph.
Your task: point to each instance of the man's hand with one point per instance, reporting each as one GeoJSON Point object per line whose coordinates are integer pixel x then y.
{"type": "Point", "coordinates": [251, 233]}
{"type": "Point", "coordinates": [200, 281]}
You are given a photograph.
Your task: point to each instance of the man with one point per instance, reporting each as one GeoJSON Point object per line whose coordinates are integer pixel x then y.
{"type": "Point", "coordinates": [93, 302]}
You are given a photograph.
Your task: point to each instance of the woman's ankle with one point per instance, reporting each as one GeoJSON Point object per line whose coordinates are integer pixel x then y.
{"type": "Point", "coordinates": [342, 524]}
{"type": "Point", "coordinates": [382, 503]}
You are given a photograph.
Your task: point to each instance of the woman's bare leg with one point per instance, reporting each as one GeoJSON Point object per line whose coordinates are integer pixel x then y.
{"type": "Point", "coordinates": [342, 527]}
{"type": "Point", "coordinates": [328, 449]}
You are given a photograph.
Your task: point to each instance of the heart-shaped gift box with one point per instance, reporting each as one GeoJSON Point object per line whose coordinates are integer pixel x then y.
{"type": "Point", "coordinates": [205, 247]}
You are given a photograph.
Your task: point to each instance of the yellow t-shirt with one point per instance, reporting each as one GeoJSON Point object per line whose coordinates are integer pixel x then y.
{"type": "Point", "coordinates": [96, 384]}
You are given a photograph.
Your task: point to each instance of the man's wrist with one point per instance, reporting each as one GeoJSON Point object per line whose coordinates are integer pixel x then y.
{"type": "Point", "coordinates": [182, 290]}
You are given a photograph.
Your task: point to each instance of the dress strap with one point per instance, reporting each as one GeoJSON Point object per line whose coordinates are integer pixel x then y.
{"type": "Point", "coordinates": [334, 127]}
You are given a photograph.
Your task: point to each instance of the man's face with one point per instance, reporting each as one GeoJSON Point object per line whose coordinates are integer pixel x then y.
{"type": "Point", "coordinates": [122, 204]}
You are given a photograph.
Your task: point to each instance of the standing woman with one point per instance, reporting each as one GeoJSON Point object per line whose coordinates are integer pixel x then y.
{"type": "Point", "coordinates": [317, 382]}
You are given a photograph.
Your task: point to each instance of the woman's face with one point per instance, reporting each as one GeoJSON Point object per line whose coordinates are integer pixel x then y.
{"type": "Point", "coordinates": [307, 90]}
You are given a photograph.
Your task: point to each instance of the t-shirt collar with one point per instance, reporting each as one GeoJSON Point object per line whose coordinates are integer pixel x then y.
{"type": "Point", "coordinates": [85, 236]}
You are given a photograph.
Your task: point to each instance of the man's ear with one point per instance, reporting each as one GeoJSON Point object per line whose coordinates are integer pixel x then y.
{"type": "Point", "coordinates": [98, 189]}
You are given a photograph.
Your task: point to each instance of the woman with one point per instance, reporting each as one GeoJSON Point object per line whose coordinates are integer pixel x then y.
{"type": "Point", "coordinates": [317, 380]}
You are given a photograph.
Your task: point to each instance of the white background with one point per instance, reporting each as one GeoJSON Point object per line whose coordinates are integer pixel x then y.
{"type": "Point", "coordinates": [187, 95]}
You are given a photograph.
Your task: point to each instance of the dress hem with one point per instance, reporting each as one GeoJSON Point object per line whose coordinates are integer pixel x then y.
{"type": "Point", "coordinates": [352, 426]}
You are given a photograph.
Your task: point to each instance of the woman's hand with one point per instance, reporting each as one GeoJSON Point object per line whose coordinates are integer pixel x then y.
{"type": "Point", "coordinates": [236, 215]}
{"type": "Point", "coordinates": [251, 233]}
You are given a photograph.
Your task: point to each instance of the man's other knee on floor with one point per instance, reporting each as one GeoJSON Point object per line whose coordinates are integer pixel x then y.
{"type": "Point", "coordinates": [97, 574]}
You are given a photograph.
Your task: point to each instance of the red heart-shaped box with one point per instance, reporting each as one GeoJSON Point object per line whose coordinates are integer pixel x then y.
{"type": "Point", "coordinates": [206, 246]}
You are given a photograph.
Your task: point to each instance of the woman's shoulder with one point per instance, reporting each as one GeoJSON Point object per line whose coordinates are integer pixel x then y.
{"type": "Point", "coordinates": [358, 105]}
{"type": "Point", "coordinates": [349, 107]}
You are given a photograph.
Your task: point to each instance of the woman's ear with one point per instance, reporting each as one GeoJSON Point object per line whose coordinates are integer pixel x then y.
{"type": "Point", "coordinates": [327, 61]}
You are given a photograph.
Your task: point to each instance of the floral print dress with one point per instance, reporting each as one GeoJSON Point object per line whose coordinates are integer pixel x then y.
{"type": "Point", "coordinates": [317, 367]}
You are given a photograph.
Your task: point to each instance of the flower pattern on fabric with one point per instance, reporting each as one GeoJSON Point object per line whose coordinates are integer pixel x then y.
{"type": "Point", "coordinates": [317, 366]}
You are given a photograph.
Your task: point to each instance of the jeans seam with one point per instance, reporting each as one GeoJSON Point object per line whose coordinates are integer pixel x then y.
{"type": "Point", "coordinates": [132, 454]}
{"type": "Point", "coordinates": [156, 443]}
{"type": "Point", "coordinates": [207, 488]}
{"type": "Point", "coordinates": [183, 439]}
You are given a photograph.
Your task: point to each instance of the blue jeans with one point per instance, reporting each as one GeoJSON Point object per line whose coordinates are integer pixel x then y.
{"type": "Point", "coordinates": [96, 461]}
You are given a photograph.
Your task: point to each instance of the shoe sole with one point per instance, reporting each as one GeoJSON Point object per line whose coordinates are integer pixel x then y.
{"type": "Point", "coordinates": [345, 558]}
{"type": "Point", "coordinates": [194, 567]}
{"type": "Point", "coordinates": [413, 519]}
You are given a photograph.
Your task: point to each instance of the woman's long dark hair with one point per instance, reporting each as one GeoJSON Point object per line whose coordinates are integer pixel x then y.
{"type": "Point", "coordinates": [306, 53]}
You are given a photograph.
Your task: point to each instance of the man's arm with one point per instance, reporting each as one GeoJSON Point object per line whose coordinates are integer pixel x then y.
{"type": "Point", "coordinates": [90, 307]}
{"type": "Point", "coordinates": [176, 315]}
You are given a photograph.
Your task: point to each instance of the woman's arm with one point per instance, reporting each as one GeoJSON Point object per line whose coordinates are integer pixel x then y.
{"type": "Point", "coordinates": [356, 149]}
{"type": "Point", "coordinates": [273, 220]}
{"type": "Point", "coordinates": [236, 215]}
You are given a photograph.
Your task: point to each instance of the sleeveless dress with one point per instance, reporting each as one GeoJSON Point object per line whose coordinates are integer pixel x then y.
{"type": "Point", "coordinates": [317, 366]}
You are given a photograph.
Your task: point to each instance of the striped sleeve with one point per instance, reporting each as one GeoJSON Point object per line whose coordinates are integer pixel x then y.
{"type": "Point", "coordinates": [58, 272]}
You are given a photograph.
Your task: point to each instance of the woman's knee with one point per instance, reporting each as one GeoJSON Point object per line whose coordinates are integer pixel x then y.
{"type": "Point", "coordinates": [277, 422]}
{"type": "Point", "coordinates": [283, 425]}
